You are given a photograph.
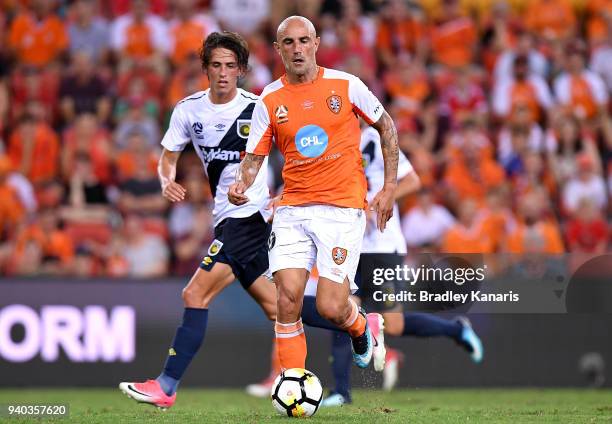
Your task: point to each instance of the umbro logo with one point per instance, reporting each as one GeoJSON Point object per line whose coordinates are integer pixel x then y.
{"type": "Point", "coordinates": [220, 127]}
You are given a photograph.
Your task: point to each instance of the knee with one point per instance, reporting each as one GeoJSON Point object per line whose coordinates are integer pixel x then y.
{"type": "Point", "coordinates": [288, 301]}
{"type": "Point", "coordinates": [332, 309]}
{"type": "Point", "coordinates": [270, 311]}
{"type": "Point", "coordinates": [193, 298]}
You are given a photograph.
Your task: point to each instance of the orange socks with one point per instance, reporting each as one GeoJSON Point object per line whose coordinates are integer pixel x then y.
{"type": "Point", "coordinates": [275, 367]}
{"type": "Point", "coordinates": [291, 344]}
{"type": "Point", "coordinates": [355, 324]}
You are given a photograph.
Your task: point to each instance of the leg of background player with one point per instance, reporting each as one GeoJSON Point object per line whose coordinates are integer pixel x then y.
{"type": "Point", "coordinates": [197, 295]}
{"type": "Point", "coordinates": [201, 289]}
{"type": "Point", "coordinates": [426, 325]}
{"type": "Point", "coordinates": [405, 324]}
{"type": "Point", "coordinates": [341, 365]}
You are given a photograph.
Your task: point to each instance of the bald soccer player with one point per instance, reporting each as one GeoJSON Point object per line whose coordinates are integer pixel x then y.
{"type": "Point", "coordinates": [312, 113]}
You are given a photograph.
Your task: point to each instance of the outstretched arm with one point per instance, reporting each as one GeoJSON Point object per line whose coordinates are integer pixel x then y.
{"type": "Point", "coordinates": [247, 172]}
{"type": "Point", "coordinates": [383, 201]}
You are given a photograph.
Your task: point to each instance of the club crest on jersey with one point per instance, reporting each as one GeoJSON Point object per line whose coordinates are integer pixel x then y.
{"type": "Point", "coordinates": [243, 127]}
{"type": "Point", "coordinates": [215, 247]}
{"type": "Point", "coordinates": [281, 112]}
{"type": "Point", "coordinates": [339, 255]}
{"type": "Point", "coordinates": [334, 103]}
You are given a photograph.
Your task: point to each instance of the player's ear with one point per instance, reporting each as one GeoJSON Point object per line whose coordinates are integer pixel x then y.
{"type": "Point", "coordinates": [317, 42]}
{"type": "Point", "coordinates": [277, 47]}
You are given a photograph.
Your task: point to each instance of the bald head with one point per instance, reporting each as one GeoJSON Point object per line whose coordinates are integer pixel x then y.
{"type": "Point", "coordinates": [297, 44]}
{"type": "Point", "coordinates": [293, 22]}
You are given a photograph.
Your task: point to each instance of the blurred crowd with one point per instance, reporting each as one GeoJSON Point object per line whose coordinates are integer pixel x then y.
{"type": "Point", "coordinates": [502, 107]}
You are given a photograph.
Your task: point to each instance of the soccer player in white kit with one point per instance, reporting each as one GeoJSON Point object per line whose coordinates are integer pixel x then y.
{"type": "Point", "coordinates": [217, 123]}
{"type": "Point", "coordinates": [392, 241]}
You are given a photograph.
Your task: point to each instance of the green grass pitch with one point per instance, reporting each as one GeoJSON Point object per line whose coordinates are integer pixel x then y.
{"type": "Point", "coordinates": [403, 406]}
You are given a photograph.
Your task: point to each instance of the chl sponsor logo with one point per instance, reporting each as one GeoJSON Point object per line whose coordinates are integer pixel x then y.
{"type": "Point", "coordinates": [209, 154]}
{"type": "Point", "coordinates": [90, 334]}
{"type": "Point", "coordinates": [311, 141]}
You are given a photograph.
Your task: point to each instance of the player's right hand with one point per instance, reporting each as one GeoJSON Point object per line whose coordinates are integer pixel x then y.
{"type": "Point", "coordinates": [173, 191]}
{"type": "Point", "coordinates": [236, 195]}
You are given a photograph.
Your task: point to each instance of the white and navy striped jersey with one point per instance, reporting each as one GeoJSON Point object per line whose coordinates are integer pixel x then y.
{"type": "Point", "coordinates": [219, 133]}
{"type": "Point", "coordinates": [392, 239]}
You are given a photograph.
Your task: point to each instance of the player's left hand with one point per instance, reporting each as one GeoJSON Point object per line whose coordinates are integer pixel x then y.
{"type": "Point", "coordinates": [383, 205]}
{"type": "Point", "coordinates": [273, 204]}
{"type": "Point", "coordinates": [236, 195]}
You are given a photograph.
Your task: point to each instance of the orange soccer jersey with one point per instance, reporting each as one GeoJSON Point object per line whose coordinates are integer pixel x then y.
{"type": "Point", "coordinates": [316, 128]}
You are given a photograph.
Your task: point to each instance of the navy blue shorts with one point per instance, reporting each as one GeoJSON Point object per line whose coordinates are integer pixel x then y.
{"type": "Point", "coordinates": [242, 243]}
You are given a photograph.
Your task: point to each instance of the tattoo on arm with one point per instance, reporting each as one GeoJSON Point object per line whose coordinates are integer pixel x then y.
{"type": "Point", "coordinates": [389, 145]}
{"type": "Point", "coordinates": [248, 169]}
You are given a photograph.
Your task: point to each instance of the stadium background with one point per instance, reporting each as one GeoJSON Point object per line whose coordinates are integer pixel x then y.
{"type": "Point", "coordinates": [502, 107]}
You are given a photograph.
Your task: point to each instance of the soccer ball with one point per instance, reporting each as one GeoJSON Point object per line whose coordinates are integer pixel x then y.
{"type": "Point", "coordinates": [296, 392]}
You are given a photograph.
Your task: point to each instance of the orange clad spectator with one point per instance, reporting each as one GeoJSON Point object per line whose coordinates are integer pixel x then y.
{"type": "Point", "coordinates": [53, 241]}
{"type": "Point", "coordinates": [187, 80]}
{"type": "Point", "coordinates": [187, 30]}
{"type": "Point", "coordinates": [467, 235]}
{"type": "Point", "coordinates": [471, 171]}
{"type": "Point", "coordinates": [34, 150]}
{"type": "Point", "coordinates": [496, 219]}
{"type": "Point", "coordinates": [454, 38]}
{"type": "Point", "coordinates": [599, 14]}
{"type": "Point", "coordinates": [139, 34]}
{"type": "Point", "coordinates": [11, 209]}
{"type": "Point", "coordinates": [408, 87]}
{"type": "Point", "coordinates": [128, 159]}
{"type": "Point", "coordinates": [535, 234]}
{"type": "Point", "coordinates": [473, 179]}
{"type": "Point", "coordinates": [86, 136]}
{"type": "Point", "coordinates": [399, 33]}
{"type": "Point", "coordinates": [522, 91]}
{"type": "Point", "coordinates": [38, 37]}
{"type": "Point", "coordinates": [468, 139]}
{"type": "Point", "coordinates": [550, 19]}
{"type": "Point", "coordinates": [581, 91]}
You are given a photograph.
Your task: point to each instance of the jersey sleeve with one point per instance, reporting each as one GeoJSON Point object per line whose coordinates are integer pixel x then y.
{"type": "Point", "coordinates": [364, 101]}
{"type": "Point", "coordinates": [177, 136]}
{"type": "Point", "coordinates": [260, 136]}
